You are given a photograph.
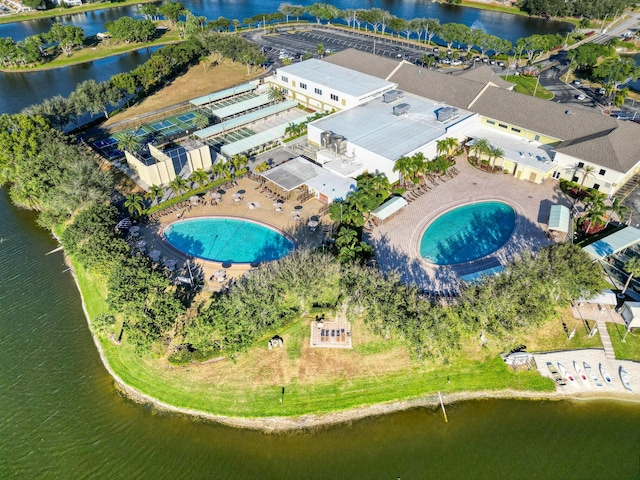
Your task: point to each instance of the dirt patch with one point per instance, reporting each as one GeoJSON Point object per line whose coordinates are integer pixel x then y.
{"type": "Point", "coordinates": [195, 83]}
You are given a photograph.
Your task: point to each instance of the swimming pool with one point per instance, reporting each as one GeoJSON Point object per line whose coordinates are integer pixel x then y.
{"type": "Point", "coordinates": [467, 233]}
{"type": "Point", "coordinates": [228, 240]}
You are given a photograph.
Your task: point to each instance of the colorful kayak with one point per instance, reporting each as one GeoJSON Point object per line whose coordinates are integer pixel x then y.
{"type": "Point", "coordinates": [624, 376]}
{"type": "Point", "coordinates": [605, 375]}
{"type": "Point", "coordinates": [565, 373]}
{"type": "Point", "coordinates": [592, 374]}
{"type": "Point", "coordinates": [581, 375]}
{"type": "Point", "coordinates": [555, 374]}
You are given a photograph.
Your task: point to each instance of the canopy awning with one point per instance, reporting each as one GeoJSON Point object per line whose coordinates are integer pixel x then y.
{"type": "Point", "coordinates": [559, 218]}
{"type": "Point", "coordinates": [290, 175]}
{"type": "Point", "coordinates": [614, 243]}
{"type": "Point", "coordinates": [222, 94]}
{"type": "Point", "coordinates": [389, 207]}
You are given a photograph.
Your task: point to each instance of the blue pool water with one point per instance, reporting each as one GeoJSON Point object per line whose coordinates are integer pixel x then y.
{"type": "Point", "coordinates": [467, 233]}
{"type": "Point", "coordinates": [228, 240]}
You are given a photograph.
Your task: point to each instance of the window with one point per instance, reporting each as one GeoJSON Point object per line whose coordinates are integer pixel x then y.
{"type": "Point", "coordinates": [303, 86]}
{"type": "Point", "coordinates": [334, 97]}
{"type": "Point", "coordinates": [344, 102]}
{"type": "Point", "coordinates": [536, 138]}
{"type": "Point", "coordinates": [580, 164]}
{"type": "Point", "coordinates": [602, 171]}
{"type": "Point", "coordinates": [285, 91]}
{"type": "Point", "coordinates": [502, 125]}
{"type": "Point", "coordinates": [574, 179]}
{"type": "Point", "coordinates": [318, 91]}
{"type": "Point", "coordinates": [596, 186]}
{"type": "Point", "coordinates": [491, 122]}
{"type": "Point", "coordinates": [284, 79]}
{"type": "Point", "coordinates": [517, 130]}
{"type": "Point", "coordinates": [556, 174]}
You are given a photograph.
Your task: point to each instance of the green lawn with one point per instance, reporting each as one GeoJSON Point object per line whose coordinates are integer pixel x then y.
{"type": "Point", "coordinates": [176, 386]}
{"type": "Point", "coordinates": [54, 12]}
{"type": "Point", "coordinates": [630, 349]}
{"type": "Point", "coordinates": [527, 85]}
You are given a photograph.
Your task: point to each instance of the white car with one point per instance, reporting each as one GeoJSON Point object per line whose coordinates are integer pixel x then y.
{"type": "Point", "coordinates": [582, 96]}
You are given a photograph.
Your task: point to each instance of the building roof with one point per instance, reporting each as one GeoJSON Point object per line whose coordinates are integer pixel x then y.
{"type": "Point", "coordinates": [559, 218]}
{"type": "Point", "coordinates": [229, 92]}
{"type": "Point", "coordinates": [335, 187]}
{"type": "Point", "coordinates": [388, 208]}
{"type": "Point", "coordinates": [374, 127]}
{"type": "Point", "coordinates": [611, 148]}
{"type": "Point", "coordinates": [241, 107]}
{"type": "Point", "coordinates": [586, 134]}
{"type": "Point", "coordinates": [613, 243]}
{"type": "Point", "coordinates": [337, 78]}
{"type": "Point", "coordinates": [368, 63]}
{"type": "Point", "coordinates": [484, 74]}
{"type": "Point", "coordinates": [290, 175]}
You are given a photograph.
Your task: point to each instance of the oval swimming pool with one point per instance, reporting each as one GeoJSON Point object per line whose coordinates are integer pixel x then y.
{"type": "Point", "coordinates": [228, 240]}
{"type": "Point", "coordinates": [467, 233]}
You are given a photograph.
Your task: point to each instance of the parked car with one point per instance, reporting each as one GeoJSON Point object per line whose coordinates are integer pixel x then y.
{"type": "Point", "coordinates": [582, 96]}
{"type": "Point", "coordinates": [577, 82]}
{"type": "Point", "coordinates": [602, 91]}
{"type": "Point", "coordinates": [456, 63]}
{"type": "Point", "coordinates": [501, 64]}
{"type": "Point", "coordinates": [436, 49]}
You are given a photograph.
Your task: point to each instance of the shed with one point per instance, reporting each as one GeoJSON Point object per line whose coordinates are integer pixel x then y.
{"type": "Point", "coordinates": [559, 218]}
{"type": "Point", "coordinates": [614, 243]}
{"type": "Point", "coordinates": [388, 208]}
{"type": "Point", "coordinates": [630, 312]}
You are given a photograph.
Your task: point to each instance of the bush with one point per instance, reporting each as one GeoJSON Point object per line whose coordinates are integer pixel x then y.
{"type": "Point", "coordinates": [181, 357]}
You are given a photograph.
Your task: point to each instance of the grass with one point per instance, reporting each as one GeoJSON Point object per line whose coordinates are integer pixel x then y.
{"type": "Point", "coordinates": [527, 85]}
{"type": "Point", "coordinates": [54, 12]}
{"type": "Point", "coordinates": [88, 53]}
{"type": "Point", "coordinates": [630, 349]}
{"type": "Point", "coordinates": [315, 380]}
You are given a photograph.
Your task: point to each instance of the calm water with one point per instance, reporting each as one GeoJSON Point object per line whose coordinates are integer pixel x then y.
{"type": "Point", "coordinates": [467, 233]}
{"type": "Point", "coordinates": [18, 90]}
{"type": "Point", "coordinates": [228, 240]}
{"type": "Point", "coordinates": [60, 416]}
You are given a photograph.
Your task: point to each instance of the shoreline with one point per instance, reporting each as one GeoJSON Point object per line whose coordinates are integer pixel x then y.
{"type": "Point", "coordinates": [275, 425]}
{"type": "Point", "coordinates": [82, 62]}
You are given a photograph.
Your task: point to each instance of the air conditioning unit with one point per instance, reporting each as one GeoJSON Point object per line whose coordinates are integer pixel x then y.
{"type": "Point", "coordinates": [392, 96]}
{"type": "Point", "coordinates": [401, 109]}
{"type": "Point", "coordinates": [326, 138]}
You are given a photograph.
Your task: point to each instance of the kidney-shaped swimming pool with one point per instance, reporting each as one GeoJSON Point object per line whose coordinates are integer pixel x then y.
{"type": "Point", "coordinates": [228, 240]}
{"type": "Point", "coordinates": [467, 233]}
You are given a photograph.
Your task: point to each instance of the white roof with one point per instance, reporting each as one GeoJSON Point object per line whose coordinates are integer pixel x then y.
{"type": "Point", "coordinates": [241, 107]}
{"type": "Point", "coordinates": [229, 92]}
{"type": "Point", "coordinates": [606, 297]}
{"type": "Point", "coordinates": [559, 218]}
{"type": "Point", "coordinates": [375, 128]}
{"type": "Point", "coordinates": [333, 186]}
{"type": "Point", "coordinates": [336, 79]}
{"type": "Point", "coordinates": [292, 174]}
{"type": "Point", "coordinates": [389, 207]}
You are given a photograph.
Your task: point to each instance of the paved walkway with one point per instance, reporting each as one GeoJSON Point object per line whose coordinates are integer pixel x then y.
{"type": "Point", "coordinates": [253, 206]}
{"type": "Point", "coordinates": [600, 314]}
{"type": "Point", "coordinates": [397, 241]}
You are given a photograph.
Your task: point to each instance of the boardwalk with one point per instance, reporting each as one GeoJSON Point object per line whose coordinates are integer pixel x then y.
{"type": "Point", "coordinates": [397, 241]}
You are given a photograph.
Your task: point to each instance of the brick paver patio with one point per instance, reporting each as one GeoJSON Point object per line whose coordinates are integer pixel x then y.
{"type": "Point", "coordinates": [397, 241]}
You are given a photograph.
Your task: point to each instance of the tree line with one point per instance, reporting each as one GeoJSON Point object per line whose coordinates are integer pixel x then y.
{"type": "Point", "coordinates": [577, 8]}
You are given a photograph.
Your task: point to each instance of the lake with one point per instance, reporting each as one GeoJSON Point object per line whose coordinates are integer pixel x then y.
{"type": "Point", "coordinates": [61, 416]}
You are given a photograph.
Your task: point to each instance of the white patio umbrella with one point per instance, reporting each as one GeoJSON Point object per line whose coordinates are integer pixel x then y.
{"type": "Point", "coordinates": [170, 264]}
{"type": "Point", "coordinates": [141, 244]}
{"type": "Point", "coordinates": [154, 254]}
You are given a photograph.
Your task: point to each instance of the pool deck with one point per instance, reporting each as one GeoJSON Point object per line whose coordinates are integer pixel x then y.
{"type": "Point", "coordinates": [397, 240]}
{"type": "Point", "coordinates": [254, 206]}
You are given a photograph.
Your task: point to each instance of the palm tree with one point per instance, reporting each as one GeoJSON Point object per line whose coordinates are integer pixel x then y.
{"type": "Point", "coordinates": [632, 267]}
{"type": "Point", "coordinates": [200, 120]}
{"type": "Point", "coordinates": [619, 209]}
{"type": "Point", "coordinates": [405, 166]}
{"type": "Point", "coordinates": [129, 142]}
{"type": "Point", "coordinates": [447, 146]}
{"type": "Point", "coordinates": [320, 49]}
{"type": "Point", "coordinates": [440, 164]}
{"type": "Point", "coordinates": [275, 95]}
{"type": "Point", "coordinates": [200, 177]}
{"type": "Point", "coordinates": [154, 194]}
{"type": "Point", "coordinates": [177, 185]}
{"type": "Point", "coordinates": [587, 172]}
{"type": "Point", "coordinates": [262, 167]}
{"type": "Point", "coordinates": [481, 147]}
{"type": "Point", "coordinates": [495, 153]}
{"type": "Point", "coordinates": [220, 169]}
{"type": "Point", "coordinates": [595, 212]}
{"type": "Point", "coordinates": [134, 204]}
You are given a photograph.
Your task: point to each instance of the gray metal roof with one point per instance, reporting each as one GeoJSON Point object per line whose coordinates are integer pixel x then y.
{"type": "Point", "coordinates": [559, 218]}
{"type": "Point", "coordinates": [229, 92]}
{"type": "Point", "coordinates": [241, 107]}
{"type": "Point", "coordinates": [290, 175]}
{"type": "Point", "coordinates": [244, 119]}
{"type": "Point", "coordinates": [373, 126]}
{"type": "Point", "coordinates": [336, 78]}
{"type": "Point", "coordinates": [613, 243]}
{"type": "Point", "coordinates": [484, 74]}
